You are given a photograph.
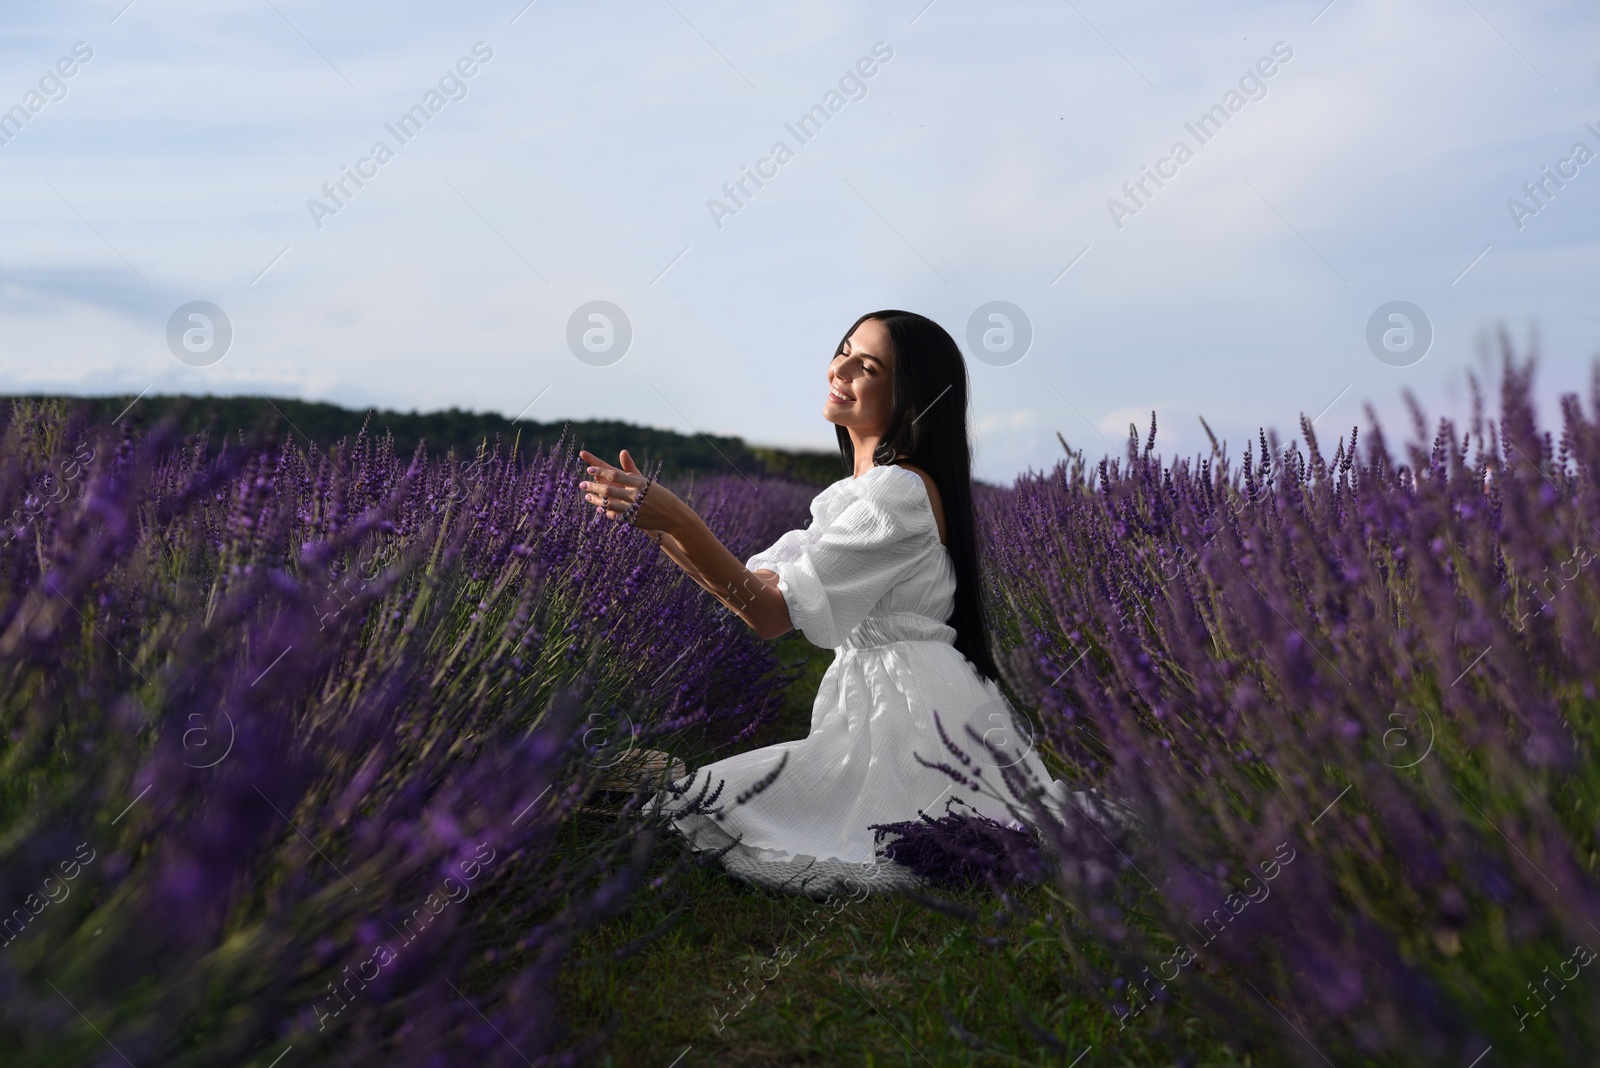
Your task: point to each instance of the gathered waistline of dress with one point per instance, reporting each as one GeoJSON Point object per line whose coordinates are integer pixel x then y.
{"type": "Point", "coordinates": [897, 628]}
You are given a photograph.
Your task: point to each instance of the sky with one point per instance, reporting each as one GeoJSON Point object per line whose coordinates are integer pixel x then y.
{"type": "Point", "coordinates": [559, 231]}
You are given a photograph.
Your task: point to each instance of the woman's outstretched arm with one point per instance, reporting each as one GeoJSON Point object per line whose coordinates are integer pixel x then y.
{"type": "Point", "coordinates": [686, 539]}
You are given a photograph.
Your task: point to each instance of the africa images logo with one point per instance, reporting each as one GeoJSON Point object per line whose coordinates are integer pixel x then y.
{"type": "Point", "coordinates": [452, 85]}
{"type": "Point", "coordinates": [52, 88]}
{"type": "Point", "coordinates": [852, 85]}
{"type": "Point", "coordinates": [1252, 86]}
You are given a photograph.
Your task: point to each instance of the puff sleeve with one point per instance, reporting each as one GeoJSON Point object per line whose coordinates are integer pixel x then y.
{"type": "Point", "coordinates": [832, 573]}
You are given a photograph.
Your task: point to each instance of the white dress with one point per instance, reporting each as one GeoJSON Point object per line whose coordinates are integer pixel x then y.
{"type": "Point", "coordinates": [869, 579]}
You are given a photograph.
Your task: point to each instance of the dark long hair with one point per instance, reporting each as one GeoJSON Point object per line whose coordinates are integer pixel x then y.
{"type": "Point", "coordinates": [928, 428]}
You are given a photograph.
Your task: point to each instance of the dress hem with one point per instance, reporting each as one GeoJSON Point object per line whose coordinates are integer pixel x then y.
{"type": "Point", "coordinates": [777, 869]}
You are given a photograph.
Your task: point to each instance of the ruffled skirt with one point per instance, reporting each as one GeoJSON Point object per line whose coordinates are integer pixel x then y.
{"type": "Point", "coordinates": [871, 757]}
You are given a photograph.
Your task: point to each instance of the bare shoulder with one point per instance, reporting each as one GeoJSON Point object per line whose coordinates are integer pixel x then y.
{"type": "Point", "coordinates": [933, 497]}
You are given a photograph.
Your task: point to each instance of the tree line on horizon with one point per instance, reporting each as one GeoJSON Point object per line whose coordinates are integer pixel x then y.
{"type": "Point", "coordinates": [464, 432]}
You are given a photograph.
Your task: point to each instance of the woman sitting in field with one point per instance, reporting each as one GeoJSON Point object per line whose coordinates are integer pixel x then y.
{"type": "Point", "coordinates": [886, 575]}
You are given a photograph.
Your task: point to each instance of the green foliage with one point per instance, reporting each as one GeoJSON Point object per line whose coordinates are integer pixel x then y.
{"type": "Point", "coordinates": [463, 432]}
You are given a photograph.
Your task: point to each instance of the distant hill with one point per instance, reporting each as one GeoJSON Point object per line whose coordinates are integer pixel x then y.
{"type": "Point", "coordinates": [462, 431]}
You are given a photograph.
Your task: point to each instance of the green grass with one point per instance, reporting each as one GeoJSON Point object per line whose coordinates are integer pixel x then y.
{"type": "Point", "coordinates": [875, 982]}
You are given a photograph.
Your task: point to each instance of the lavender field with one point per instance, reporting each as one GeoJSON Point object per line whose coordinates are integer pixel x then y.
{"type": "Point", "coordinates": [301, 747]}
{"type": "Point", "coordinates": [290, 735]}
{"type": "Point", "coordinates": [1351, 692]}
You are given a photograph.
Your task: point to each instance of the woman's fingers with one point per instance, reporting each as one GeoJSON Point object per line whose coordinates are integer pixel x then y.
{"type": "Point", "coordinates": [613, 489]}
{"type": "Point", "coordinates": [626, 474]}
{"type": "Point", "coordinates": [607, 500]}
{"type": "Point", "coordinates": [598, 467]}
{"type": "Point", "coordinates": [616, 490]}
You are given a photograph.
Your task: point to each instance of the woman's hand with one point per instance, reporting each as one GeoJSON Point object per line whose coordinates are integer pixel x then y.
{"type": "Point", "coordinates": [613, 490]}
{"type": "Point", "coordinates": [688, 542]}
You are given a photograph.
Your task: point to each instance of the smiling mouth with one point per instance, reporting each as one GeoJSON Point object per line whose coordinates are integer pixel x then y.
{"type": "Point", "coordinates": [835, 395]}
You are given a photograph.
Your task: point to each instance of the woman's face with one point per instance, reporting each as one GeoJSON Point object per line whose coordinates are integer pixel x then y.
{"type": "Point", "coordinates": [859, 394]}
